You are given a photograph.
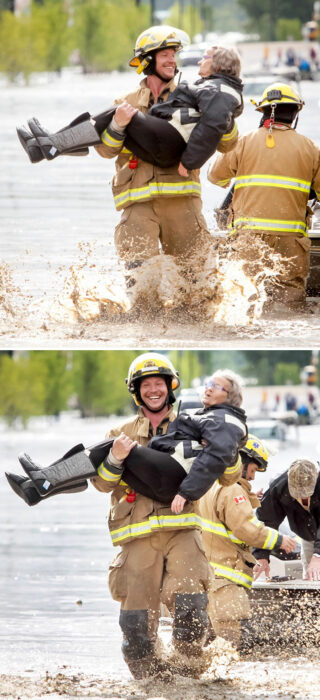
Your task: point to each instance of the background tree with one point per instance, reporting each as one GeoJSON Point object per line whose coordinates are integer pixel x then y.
{"type": "Point", "coordinates": [104, 31]}
{"type": "Point", "coordinates": [263, 16]}
{"type": "Point", "coordinates": [99, 381]}
{"type": "Point", "coordinates": [190, 20]}
{"type": "Point", "coordinates": [22, 45]}
{"type": "Point", "coordinates": [22, 389]}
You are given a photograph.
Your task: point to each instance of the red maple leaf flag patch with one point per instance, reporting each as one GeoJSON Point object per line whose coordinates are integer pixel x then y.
{"type": "Point", "coordinates": [239, 499]}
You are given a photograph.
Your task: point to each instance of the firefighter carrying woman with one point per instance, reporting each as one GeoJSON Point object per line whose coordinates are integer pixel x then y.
{"type": "Point", "coordinates": [154, 460]}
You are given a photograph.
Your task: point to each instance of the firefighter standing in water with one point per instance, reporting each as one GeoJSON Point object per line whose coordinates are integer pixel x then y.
{"type": "Point", "coordinates": [230, 529]}
{"type": "Point", "coordinates": [274, 168]}
{"type": "Point", "coordinates": [160, 205]}
{"type": "Point", "coordinates": [162, 557]}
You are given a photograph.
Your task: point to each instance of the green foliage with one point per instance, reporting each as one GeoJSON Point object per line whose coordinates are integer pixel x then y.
{"type": "Point", "coordinates": [105, 32]}
{"type": "Point", "coordinates": [99, 381]}
{"type": "Point", "coordinates": [22, 46]}
{"type": "Point", "coordinates": [190, 20]}
{"type": "Point", "coordinates": [188, 365]}
{"type": "Point", "coordinates": [263, 365]}
{"type": "Point", "coordinates": [53, 24]}
{"type": "Point", "coordinates": [286, 373]}
{"type": "Point", "coordinates": [263, 16]}
{"type": "Point", "coordinates": [22, 389]}
{"type": "Point", "coordinates": [288, 29]}
{"type": "Point", "coordinates": [53, 368]}
{"type": "Point", "coordinates": [35, 41]}
{"type": "Point", "coordinates": [48, 382]}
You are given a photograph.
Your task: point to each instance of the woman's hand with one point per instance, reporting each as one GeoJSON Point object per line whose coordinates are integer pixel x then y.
{"type": "Point", "coordinates": [121, 447]}
{"type": "Point", "coordinates": [177, 504]}
{"type": "Point", "coordinates": [182, 170]}
{"type": "Point", "coordinates": [124, 114]}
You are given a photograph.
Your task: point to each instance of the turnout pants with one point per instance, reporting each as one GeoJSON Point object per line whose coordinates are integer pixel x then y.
{"type": "Point", "coordinates": [155, 570]}
{"type": "Point", "coordinates": [295, 251]}
{"type": "Point", "coordinates": [228, 608]}
{"type": "Point", "coordinates": [176, 224]}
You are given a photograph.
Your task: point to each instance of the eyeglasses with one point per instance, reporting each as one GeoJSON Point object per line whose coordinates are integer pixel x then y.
{"type": "Point", "coordinates": [211, 384]}
{"type": "Point", "coordinates": [206, 55]}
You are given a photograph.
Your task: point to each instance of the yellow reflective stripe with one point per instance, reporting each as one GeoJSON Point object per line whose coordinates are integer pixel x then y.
{"type": "Point", "coordinates": [155, 523]}
{"type": "Point", "coordinates": [254, 520]}
{"type": "Point", "coordinates": [271, 539]}
{"type": "Point", "coordinates": [108, 140]}
{"type": "Point", "coordinates": [236, 466]}
{"type": "Point", "coordinates": [223, 183]}
{"type": "Point", "coordinates": [154, 189]}
{"type": "Point", "coordinates": [234, 575]}
{"type": "Point", "coordinates": [230, 135]}
{"type": "Point", "coordinates": [257, 224]}
{"type": "Point", "coordinates": [125, 150]}
{"type": "Point", "coordinates": [107, 475]}
{"type": "Point", "coordinates": [219, 529]}
{"type": "Point", "coordinates": [215, 528]}
{"type": "Point", "coordinates": [257, 180]}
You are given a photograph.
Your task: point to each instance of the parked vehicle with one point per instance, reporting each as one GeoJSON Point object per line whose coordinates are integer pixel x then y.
{"type": "Point", "coordinates": [189, 399]}
{"type": "Point", "coordinates": [272, 432]}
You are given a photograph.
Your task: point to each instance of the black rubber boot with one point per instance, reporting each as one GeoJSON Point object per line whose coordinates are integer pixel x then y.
{"type": "Point", "coordinates": [78, 464]}
{"type": "Point", "coordinates": [33, 150]}
{"type": "Point", "coordinates": [64, 473]}
{"type": "Point", "coordinates": [137, 647]}
{"type": "Point", "coordinates": [25, 488]}
{"type": "Point", "coordinates": [30, 145]}
{"type": "Point", "coordinates": [69, 139]}
{"type": "Point", "coordinates": [191, 622]}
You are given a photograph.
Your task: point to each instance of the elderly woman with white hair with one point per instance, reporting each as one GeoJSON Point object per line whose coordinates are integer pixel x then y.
{"type": "Point", "coordinates": [295, 494]}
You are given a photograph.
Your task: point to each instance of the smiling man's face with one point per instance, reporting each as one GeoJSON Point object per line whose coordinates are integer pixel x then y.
{"type": "Point", "coordinates": [166, 63]}
{"type": "Point", "coordinates": [154, 392]}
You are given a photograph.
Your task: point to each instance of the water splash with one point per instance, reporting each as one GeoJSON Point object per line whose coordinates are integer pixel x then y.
{"type": "Point", "coordinates": [89, 291]}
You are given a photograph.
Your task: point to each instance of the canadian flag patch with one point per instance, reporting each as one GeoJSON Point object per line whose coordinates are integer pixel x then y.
{"type": "Point", "coordinates": [239, 499]}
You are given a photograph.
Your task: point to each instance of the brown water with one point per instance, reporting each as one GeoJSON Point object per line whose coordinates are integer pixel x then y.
{"type": "Point", "coordinates": [60, 281]}
{"type": "Point", "coordinates": [59, 633]}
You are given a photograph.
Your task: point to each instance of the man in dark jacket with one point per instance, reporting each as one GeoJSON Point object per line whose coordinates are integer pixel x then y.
{"type": "Point", "coordinates": [295, 494]}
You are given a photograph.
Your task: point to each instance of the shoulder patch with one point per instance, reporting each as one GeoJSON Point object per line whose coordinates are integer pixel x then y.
{"type": "Point", "coordinates": [239, 499]}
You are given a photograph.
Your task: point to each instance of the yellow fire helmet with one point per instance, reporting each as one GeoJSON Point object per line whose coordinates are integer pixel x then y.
{"type": "Point", "coordinates": [279, 93]}
{"type": "Point", "coordinates": [156, 38]}
{"type": "Point", "coordinates": [258, 453]}
{"type": "Point", "coordinates": [147, 365]}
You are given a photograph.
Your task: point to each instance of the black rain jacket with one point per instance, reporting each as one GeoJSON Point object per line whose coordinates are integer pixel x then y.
{"type": "Point", "coordinates": [224, 429]}
{"type": "Point", "coordinates": [277, 504]}
{"type": "Point", "coordinates": [218, 99]}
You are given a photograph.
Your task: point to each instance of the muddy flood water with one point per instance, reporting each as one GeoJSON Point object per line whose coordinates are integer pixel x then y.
{"type": "Point", "coordinates": [59, 634]}
{"type": "Point", "coordinates": [60, 280]}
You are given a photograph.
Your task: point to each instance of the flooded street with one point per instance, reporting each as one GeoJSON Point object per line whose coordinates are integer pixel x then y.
{"type": "Point", "coordinates": [59, 633]}
{"type": "Point", "coordinates": [57, 221]}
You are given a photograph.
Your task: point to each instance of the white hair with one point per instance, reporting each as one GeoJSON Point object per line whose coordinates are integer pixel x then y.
{"type": "Point", "coordinates": [235, 392]}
